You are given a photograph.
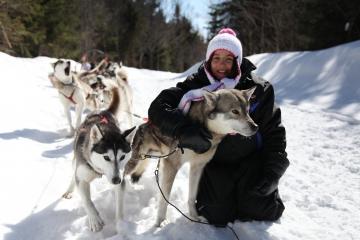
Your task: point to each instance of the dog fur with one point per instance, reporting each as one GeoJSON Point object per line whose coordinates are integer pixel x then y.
{"type": "Point", "coordinates": [116, 72]}
{"type": "Point", "coordinates": [100, 148]}
{"type": "Point", "coordinates": [73, 92]}
{"type": "Point", "coordinates": [222, 112]}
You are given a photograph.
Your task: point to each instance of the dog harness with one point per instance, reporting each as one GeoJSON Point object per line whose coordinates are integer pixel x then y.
{"type": "Point", "coordinates": [71, 97]}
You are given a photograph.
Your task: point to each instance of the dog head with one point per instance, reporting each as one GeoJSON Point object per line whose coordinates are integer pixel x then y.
{"type": "Point", "coordinates": [62, 71]}
{"type": "Point", "coordinates": [110, 149]}
{"type": "Point", "coordinates": [146, 142]}
{"type": "Point", "coordinates": [115, 69]}
{"type": "Point", "coordinates": [111, 68]}
{"type": "Point", "coordinates": [228, 112]}
{"type": "Point", "coordinates": [96, 82]}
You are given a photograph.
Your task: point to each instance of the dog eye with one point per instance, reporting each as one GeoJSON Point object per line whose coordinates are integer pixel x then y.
{"type": "Point", "coordinates": [234, 111]}
{"type": "Point", "coordinates": [107, 158]}
{"type": "Point", "coordinates": [122, 157]}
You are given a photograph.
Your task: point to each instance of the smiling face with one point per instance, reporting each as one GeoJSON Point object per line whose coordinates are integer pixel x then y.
{"type": "Point", "coordinates": [221, 64]}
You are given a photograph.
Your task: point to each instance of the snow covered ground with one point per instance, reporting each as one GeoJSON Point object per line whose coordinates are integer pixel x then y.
{"type": "Point", "coordinates": [318, 92]}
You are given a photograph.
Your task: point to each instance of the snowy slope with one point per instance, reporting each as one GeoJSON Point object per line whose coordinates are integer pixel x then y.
{"type": "Point", "coordinates": [328, 78]}
{"type": "Point", "coordinates": [319, 96]}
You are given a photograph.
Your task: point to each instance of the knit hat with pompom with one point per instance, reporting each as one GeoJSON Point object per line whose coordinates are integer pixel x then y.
{"type": "Point", "coordinates": [226, 39]}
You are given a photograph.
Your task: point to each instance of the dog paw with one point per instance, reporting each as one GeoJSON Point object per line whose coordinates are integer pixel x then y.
{"type": "Point", "coordinates": [193, 213]}
{"type": "Point", "coordinates": [202, 219]}
{"type": "Point", "coordinates": [198, 218]}
{"type": "Point", "coordinates": [160, 223]}
{"type": "Point", "coordinates": [95, 223]}
{"type": "Point", "coordinates": [67, 195]}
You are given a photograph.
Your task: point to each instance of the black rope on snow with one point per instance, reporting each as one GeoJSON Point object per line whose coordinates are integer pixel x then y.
{"type": "Point", "coordinates": [192, 220]}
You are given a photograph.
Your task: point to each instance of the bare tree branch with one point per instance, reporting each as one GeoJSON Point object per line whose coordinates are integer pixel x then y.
{"type": "Point", "coordinates": [5, 35]}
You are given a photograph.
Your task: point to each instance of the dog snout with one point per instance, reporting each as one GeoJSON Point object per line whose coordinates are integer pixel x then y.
{"type": "Point", "coordinates": [116, 180]}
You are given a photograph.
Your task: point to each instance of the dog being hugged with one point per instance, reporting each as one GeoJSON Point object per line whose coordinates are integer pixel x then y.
{"type": "Point", "coordinates": [222, 112]}
{"type": "Point", "coordinates": [100, 148]}
{"type": "Point", "coordinates": [73, 92]}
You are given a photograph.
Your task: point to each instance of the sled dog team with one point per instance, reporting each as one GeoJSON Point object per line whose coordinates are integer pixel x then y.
{"type": "Point", "coordinates": [90, 89]}
{"type": "Point", "coordinates": [102, 148]}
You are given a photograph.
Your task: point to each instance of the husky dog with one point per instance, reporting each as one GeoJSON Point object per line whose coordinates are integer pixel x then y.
{"type": "Point", "coordinates": [100, 148]}
{"type": "Point", "coordinates": [106, 85]}
{"type": "Point", "coordinates": [222, 112]}
{"type": "Point", "coordinates": [73, 92]}
{"type": "Point", "coordinates": [114, 69]}
{"type": "Point", "coordinates": [117, 72]}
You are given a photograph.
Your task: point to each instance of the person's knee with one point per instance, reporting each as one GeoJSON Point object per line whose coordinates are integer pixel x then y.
{"type": "Point", "coordinates": [269, 208]}
{"type": "Point", "coordinates": [274, 213]}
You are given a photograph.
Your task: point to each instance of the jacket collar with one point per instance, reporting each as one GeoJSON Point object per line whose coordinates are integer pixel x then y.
{"type": "Point", "coordinates": [246, 68]}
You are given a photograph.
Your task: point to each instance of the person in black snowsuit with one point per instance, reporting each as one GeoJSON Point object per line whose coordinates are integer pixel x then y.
{"type": "Point", "coordinates": [241, 180]}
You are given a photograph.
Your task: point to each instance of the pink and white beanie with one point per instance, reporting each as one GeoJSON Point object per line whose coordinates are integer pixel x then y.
{"type": "Point", "coordinates": [226, 39]}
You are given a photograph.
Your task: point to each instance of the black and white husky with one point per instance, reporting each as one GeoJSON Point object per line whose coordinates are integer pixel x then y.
{"type": "Point", "coordinates": [100, 148]}
{"type": "Point", "coordinates": [222, 112]}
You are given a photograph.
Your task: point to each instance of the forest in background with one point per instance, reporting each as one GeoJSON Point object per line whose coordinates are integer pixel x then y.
{"type": "Point", "coordinates": [288, 25]}
{"type": "Point", "coordinates": [138, 33]}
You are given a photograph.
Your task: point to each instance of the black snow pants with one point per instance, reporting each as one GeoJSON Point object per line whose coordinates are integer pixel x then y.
{"type": "Point", "coordinates": [224, 196]}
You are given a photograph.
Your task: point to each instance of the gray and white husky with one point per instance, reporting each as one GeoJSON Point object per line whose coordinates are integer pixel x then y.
{"type": "Point", "coordinates": [118, 73]}
{"type": "Point", "coordinates": [222, 112]}
{"type": "Point", "coordinates": [73, 92]}
{"type": "Point", "coordinates": [100, 148]}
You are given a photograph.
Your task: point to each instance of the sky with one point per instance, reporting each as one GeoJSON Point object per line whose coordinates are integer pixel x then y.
{"type": "Point", "coordinates": [318, 93]}
{"type": "Point", "coordinates": [197, 11]}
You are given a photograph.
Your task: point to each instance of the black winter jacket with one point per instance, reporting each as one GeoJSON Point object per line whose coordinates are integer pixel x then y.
{"type": "Point", "coordinates": [269, 143]}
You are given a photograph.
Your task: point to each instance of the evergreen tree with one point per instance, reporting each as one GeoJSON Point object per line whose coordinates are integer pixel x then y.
{"type": "Point", "coordinates": [18, 26]}
{"type": "Point", "coordinates": [283, 25]}
{"type": "Point", "coordinates": [61, 23]}
{"type": "Point", "coordinates": [135, 32]}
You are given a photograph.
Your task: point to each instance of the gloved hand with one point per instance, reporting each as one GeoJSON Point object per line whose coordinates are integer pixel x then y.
{"type": "Point", "coordinates": [265, 186]}
{"type": "Point", "coordinates": [194, 137]}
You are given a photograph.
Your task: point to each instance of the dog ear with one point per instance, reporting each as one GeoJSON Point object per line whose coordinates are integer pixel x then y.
{"type": "Point", "coordinates": [95, 133]}
{"type": "Point", "coordinates": [249, 92]}
{"type": "Point", "coordinates": [243, 93]}
{"type": "Point", "coordinates": [210, 98]}
{"type": "Point", "coordinates": [57, 62]}
{"type": "Point", "coordinates": [129, 134]}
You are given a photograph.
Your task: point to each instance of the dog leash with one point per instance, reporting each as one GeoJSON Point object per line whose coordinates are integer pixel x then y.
{"type": "Point", "coordinates": [156, 172]}
{"type": "Point", "coordinates": [145, 156]}
{"type": "Point", "coordinates": [145, 119]}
